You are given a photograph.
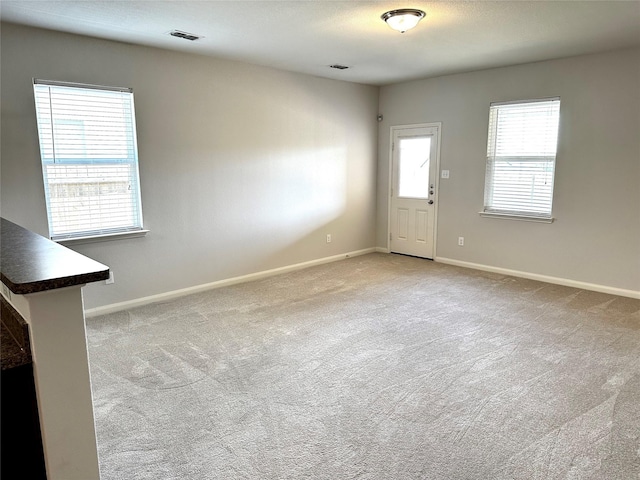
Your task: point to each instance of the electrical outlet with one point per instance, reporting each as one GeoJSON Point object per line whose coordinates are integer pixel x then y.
{"type": "Point", "coordinates": [461, 241]}
{"type": "Point", "coordinates": [5, 291]}
{"type": "Point", "coordinates": [328, 238]}
{"type": "Point", "coordinates": [111, 279]}
{"type": "Point", "coordinates": [445, 174]}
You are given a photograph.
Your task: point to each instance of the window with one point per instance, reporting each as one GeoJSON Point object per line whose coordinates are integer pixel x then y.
{"type": "Point", "coordinates": [413, 166]}
{"type": "Point", "coordinates": [89, 159]}
{"type": "Point", "coordinates": [521, 157]}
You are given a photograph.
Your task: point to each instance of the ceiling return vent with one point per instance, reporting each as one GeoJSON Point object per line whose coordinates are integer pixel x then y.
{"type": "Point", "coordinates": [187, 36]}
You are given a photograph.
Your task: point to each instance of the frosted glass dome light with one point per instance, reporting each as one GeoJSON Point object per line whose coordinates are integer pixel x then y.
{"type": "Point", "coordinates": [403, 19]}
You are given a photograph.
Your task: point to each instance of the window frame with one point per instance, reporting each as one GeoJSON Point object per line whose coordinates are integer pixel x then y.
{"type": "Point", "coordinates": [489, 208]}
{"type": "Point", "coordinates": [48, 120]}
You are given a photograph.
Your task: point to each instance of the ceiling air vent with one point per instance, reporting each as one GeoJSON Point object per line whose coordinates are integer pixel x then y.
{"type": "Point", "coordinates": [339, 67]}
{"type": "Point", "coordinates": [185, 35]}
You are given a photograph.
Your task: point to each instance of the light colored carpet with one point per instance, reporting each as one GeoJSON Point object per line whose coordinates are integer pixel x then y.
{"type": "Point", "coordinates": [375, 367]}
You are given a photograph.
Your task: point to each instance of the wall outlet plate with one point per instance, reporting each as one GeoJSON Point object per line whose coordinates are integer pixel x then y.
{"type": "Point", "coordinates": [6, 293]}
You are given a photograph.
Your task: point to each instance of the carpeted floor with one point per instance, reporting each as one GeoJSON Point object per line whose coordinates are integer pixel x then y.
{"type": "Point", "coordinates": [375, 367]}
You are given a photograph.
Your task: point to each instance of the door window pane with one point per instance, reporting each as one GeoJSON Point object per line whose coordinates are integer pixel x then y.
{"type": "Point", "coordinates": [413, 168]}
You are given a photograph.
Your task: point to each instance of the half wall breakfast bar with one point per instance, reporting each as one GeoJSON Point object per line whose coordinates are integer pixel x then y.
{"type": "Point", "coordinates": [42, 282]}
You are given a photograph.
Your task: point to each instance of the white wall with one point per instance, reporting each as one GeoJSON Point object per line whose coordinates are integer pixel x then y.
{"type": "Point", "coordinates": [243, 168]}
{"type": "Point", "coordinates": [596, 237]}
{"type": "Point", "coordinates": [246, 168]}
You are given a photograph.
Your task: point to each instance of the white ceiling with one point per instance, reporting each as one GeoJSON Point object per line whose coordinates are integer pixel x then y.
{"type": "Point", "coordinates": [309, 35]}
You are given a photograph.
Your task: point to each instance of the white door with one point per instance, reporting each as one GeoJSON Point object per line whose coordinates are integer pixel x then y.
{"type": "Point", "coordinates": [413, 191]}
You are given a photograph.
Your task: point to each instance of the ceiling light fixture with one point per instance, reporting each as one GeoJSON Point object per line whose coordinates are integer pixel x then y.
{"type": "Point", "coordinates": [403, 19]}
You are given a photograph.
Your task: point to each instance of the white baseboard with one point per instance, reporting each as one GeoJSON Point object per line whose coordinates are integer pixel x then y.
{"type": "Point", "coordinates": [543, 278]}
{"type": "Point", "coordinates": [382, 250]}
{"type": "Point", "coordinates": [138, 302]}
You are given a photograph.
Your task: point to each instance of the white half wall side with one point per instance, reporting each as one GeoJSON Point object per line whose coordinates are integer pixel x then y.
{"type": "Point", "coordinates": [243, 168]}
{"type": "Point", "coordinates": [596, 236]}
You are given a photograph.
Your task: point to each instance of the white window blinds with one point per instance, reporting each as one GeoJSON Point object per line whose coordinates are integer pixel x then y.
{"type": "Point", "coordinates": [89, 159]}
{"type": "Point", "coordinates": [521, 155]}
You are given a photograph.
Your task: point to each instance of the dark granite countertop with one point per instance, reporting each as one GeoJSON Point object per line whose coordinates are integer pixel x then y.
{"type": "Point", "coordinates": [14, 337]}
{"type": "Point", "coordinates": [31, 263]}
{"type": "Point", "coordinates": [13, 355]}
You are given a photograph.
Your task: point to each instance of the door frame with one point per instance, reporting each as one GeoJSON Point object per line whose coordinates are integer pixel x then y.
{"type": "Point", "coordinates": [393, 129]}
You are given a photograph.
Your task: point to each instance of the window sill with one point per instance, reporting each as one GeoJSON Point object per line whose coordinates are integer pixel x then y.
{"type": "Point", "coordinates": [523, 218]}
{"type": "Point", "coordinates": [102, 238]}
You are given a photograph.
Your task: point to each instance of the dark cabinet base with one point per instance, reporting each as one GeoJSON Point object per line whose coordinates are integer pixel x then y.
{"type": "Point", "coordinates": [21, 455]}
